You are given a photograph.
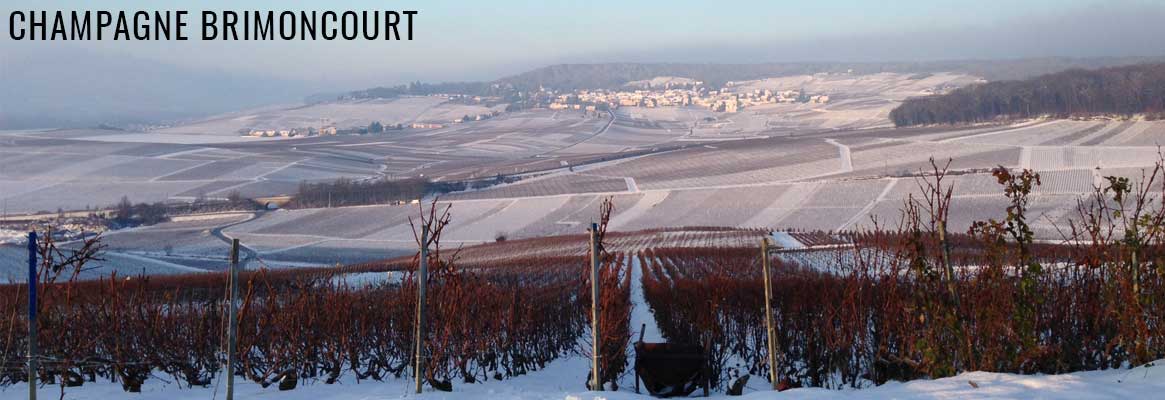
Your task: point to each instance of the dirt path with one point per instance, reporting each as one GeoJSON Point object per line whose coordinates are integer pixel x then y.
{"type": "Point", "coordinates": [847, 162]}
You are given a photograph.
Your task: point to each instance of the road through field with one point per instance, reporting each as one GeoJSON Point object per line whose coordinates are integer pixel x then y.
{"type": "Point", "coordinates": [596, 134]}
{"type": "Point", "coordinates": [248, 253]}
{"type": "Point", "coordinates": [847, 162]}
{"type": "Point", "coordinates": [631, 186]}
{"type": "Point", "coordinates": [870, 206]}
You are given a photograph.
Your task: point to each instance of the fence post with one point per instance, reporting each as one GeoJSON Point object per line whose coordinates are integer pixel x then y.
{"type": "Point", "coordinates": [596, 382]}
{"type": "Point", "coordinates": [233, 319]}
{"type": "Point", "coordinates": [769, 330]}
{"type": "Point", "coordinates": [946, 259]}
{"type": "Point", "coordinates": [32, 307]}
{"type": "Point", "coordinates": [642, 328]}
{"type": "Point", "coordinates": [422, 281]}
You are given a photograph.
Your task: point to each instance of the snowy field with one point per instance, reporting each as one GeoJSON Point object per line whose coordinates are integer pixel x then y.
{"type": "Point", "coordinates": [342, 114]}
{"type": "Point", "coordinates": [828, 181]}
{"type": "Point", "coordinates": [805, 166]}
{"type": "Point", "coordinates": [74, 169]}
{"type": "Point", "coordinates": [8, 236]}
{"type": "Point", "coordinates": [856, 101]}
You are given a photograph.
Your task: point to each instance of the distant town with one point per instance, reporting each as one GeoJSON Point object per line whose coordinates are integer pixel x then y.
{"type": "Point", "coordinates": [661, 92]}
{"type": "Point", "coordinates": [680, 95]}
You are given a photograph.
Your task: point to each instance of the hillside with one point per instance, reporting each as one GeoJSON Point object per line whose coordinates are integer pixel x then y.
{"type": "Point", "coordinates": [1127, 90]}
{"type": "Point", "coordinates": [615, 75]}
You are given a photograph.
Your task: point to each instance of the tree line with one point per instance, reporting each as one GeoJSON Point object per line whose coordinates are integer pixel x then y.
{"type": "Point", "coordinates": [1124, 91]}
{"type": "Point", "coordinates": [348, 192]}
{"type": "Point", "coordinates": [424, 89]}
{"type": "Point", "coordinates": [129, 214]}
{"type": "Point", "coordinates": [126, 213]}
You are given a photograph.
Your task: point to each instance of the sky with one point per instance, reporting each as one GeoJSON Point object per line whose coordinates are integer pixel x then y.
{"type": "Point", "coordinates": [473, 40]}
{"type": "Point", "coordinates": [483, 40]}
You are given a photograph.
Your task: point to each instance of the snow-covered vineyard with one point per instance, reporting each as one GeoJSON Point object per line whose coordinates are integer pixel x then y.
{"type": "Point", "coordinates": [786, 250]}
{"type": "Point", "coordinates": [821, 181]}
{"type": "Point", "coordinates": [805, 166]}
{"type": "Point", "coordinates": [856, 312]}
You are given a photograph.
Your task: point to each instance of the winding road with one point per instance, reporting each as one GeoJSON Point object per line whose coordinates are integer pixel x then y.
{"type": "Point", "coordinates": [248, 253]}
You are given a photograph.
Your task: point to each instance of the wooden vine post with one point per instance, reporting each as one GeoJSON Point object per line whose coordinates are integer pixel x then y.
{"type": "Point", "coordinates": [596, 381]}
{"type": "Point", "coordinates": [233, 319]}
{"type": "Point", "coordinates": [765, 254]}
{"type": "Point", "coordinates": [422, 281]}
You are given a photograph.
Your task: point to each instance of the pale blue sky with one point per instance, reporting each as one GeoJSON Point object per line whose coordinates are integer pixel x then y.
{"type": "Point", "coordinates": [470, 40]}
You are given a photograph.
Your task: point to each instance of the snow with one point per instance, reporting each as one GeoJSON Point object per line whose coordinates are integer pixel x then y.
{"type": "Point", "coordinates": [169, 138]}
{"type": "Point", "coordinates": [363, 279]}
{"type": "Point", "coordinates": [641, 207]}
{"type": "Point", "coordinates": [11, 236]}
{"type": "Point", "coordinates": [563, 379]}
{"type": "Point", "coordinates": [641, 316]}
{"type": "Point", "coordinates": [786, 241]}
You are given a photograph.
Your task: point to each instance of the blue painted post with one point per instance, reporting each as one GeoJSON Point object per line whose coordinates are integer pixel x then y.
{"type": "Point", "coordinates": [32, 315]}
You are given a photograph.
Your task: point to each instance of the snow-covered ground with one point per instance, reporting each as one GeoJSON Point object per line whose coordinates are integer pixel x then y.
{"type": "Point", "coordinates": [11, 236]}
{"type": "Point", "coordinates": [563, 380]}
{"type": "Point", "coordinates": [641, 315]}
{"type": "Point", "coordinates": [786, 241]}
